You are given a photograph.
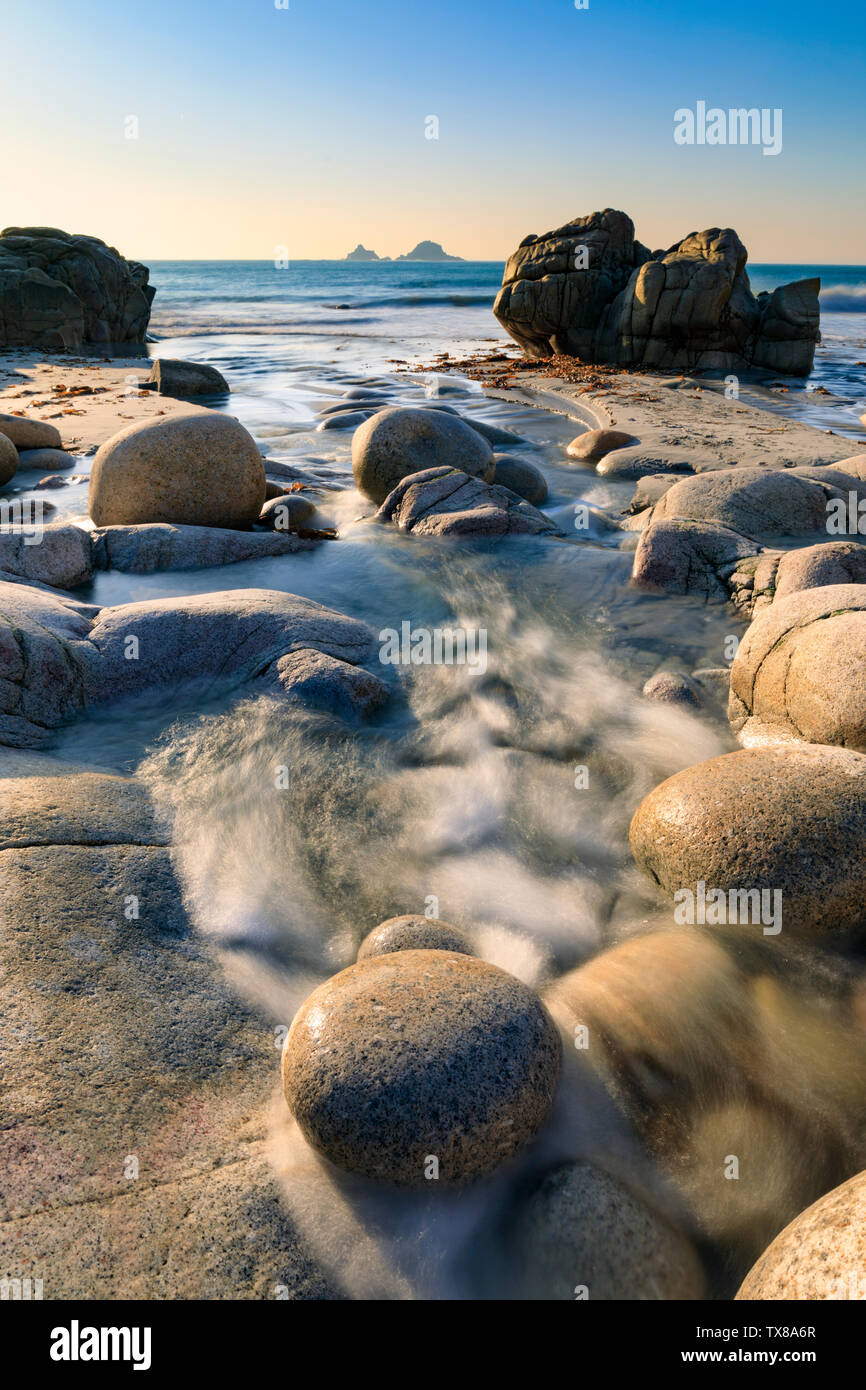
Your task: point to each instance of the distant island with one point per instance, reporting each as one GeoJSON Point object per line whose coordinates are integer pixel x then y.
{"type": "Point", "coordinates": [424, 251]}
{"type": "Point", "coordinates": [361, 253]}
{"type": "Point", "coordinates": [429, 251]}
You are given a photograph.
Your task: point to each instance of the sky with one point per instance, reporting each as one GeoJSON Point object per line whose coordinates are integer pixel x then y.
{"type": "Point", "coordinates": [256, 127]}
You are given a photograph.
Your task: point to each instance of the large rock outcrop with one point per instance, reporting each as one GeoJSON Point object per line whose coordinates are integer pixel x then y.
{"type": "Point", "coordinates": [58, 291]}
{"type": "Point", "coordinates": [589, 289]}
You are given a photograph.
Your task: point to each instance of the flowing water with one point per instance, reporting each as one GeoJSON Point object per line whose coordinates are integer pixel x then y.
{"type": "Point", "coordinates": [500, 799]}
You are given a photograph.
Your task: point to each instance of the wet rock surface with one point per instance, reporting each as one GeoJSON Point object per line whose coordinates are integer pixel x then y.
{"type": "Point", "coordinates": [799, 670]}
{"type": "Point", "coordinates": [789, 820]}
{"type": "Point", "coordinates": [445, 502]}
{"type": "Point", "coordinates": [395, 443]}
{"type": "Point", "coordinates": [416, 1056]}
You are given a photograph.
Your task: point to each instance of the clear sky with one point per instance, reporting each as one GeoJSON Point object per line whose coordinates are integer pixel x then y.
{"type": "Point", "coordinates": [305, 127]}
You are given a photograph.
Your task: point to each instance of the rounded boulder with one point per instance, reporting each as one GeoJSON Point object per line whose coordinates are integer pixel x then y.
{"type": "Point", "coordinates": [8, 459]}
{"type": "Point", "coordinates": [788, 819]}
{"type": "Point", "coordinates": [395, 443]}
{"type": "Point", "coordinates": [30, 434]}
{"type": "Point", "coordinates": [820, 1256]}
{"type": "Point", "coordinates": [800, 670]}
{"type": "Point", "coordinates": [421, 1058]}
{"type": "Point", "coordinates": [201, 469]}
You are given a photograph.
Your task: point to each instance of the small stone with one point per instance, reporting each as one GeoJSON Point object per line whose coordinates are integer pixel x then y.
{"type": "Point", "coordinates": [287, 511]}
{"type": "Point", "coordinates": [413, 933]}
{"type": "Point", "coordinates": [522, 477]}
{"type": "Point", "coordinates": [173, 377]}
{"type": "Point", "coordinates": [594, 444]}
{"type": "Point", "coordinates": [671, 688]}
{"type": "Point", "coordinates": [317, 681]}
{"type": "Point", "coordinates": [418, 1060]}
{"type": "Point", "coordinates": [44, 458]}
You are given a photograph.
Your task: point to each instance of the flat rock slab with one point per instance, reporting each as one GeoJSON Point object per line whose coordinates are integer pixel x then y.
{"type": "Point", "coordinates": [787, 819]}
{"type": "Point", "coordinates": [225, 636]}
{"type": "Point", "coordinates": [800, 670]}
{"type": "Point", "coordinates": [136, 1086]}
{"type": "Point", "coordinates": [61, 556]}
{"type": "Point", "coordinates": [446, 502]}
{"type": "Point", "coordinates": [58, 658]}
{"type": "Point", "coordinates": [160, 546]}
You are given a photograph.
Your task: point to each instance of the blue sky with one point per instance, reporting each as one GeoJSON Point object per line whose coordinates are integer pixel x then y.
{"type": "Point", "coordinates": [304, 127]}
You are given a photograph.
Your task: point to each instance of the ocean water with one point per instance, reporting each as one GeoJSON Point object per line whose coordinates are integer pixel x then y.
{"type": "Point", "coordinates": [373, 312]}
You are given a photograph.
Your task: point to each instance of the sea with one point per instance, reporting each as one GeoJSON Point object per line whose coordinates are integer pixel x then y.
{"type": "Point", "coordinates": [306, 312]}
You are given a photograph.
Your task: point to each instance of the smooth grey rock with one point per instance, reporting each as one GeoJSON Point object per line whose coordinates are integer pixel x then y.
{"type": "Point", "coordinates": [757, 501]}
{"type": "Point", "coordinates": [44, 458]}
{"type": "Point", "coordinates": [689, 557]}
{"type": "Point", "coordinates": [174, 377]}
{"type": "Point", "coordinates": [788, 818]}
{"type": "Point", "coordinates": [8, 459]}
{"type": "Point", "coordinates": [418, 1055]}
{"type": "Point", "coordinates": [44, 650]}
{"type": "Point", "coordinates": [287, 511]}
{"type": "Point", "coordinates": [820, 1256]}
{"type": "Point", "coordinates": [61, 557]}
{"type": "Point", "coordinates": [395, 443]}
{"type": "Point", "coordinates": [30, 434]}
{"type": "Point", "coordinates": [230, 636]}
{"type": "Point", "coordinates": [200, 469]}
{"type": "Point", "coordinates": [493, 433]}
{"type": "Point", "coordinates": [317, 681]}
{"type": "Point", "coordinates": [144, 549]}
{"type": "Point", "coordinates": [345, 420]}
{"type": "Point", "coordinates": [800, 670]}
{"type": "Point", "coordinates": [648, 491]}
{"type": "Point", "coordinates": [58, 290]}
{"type": "Point", "coordinates": [583, 1229]}
{"type": "Point", "coordinates": [520, 476]}
{"type": "Point", "coordinates": [413, 933]}
{"type": "Point", "coordinates": [637, 461]}
{"type": "Point", "coordinates": [594, 444]}
{"type": "Point", "coordinates": [446, 502]}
